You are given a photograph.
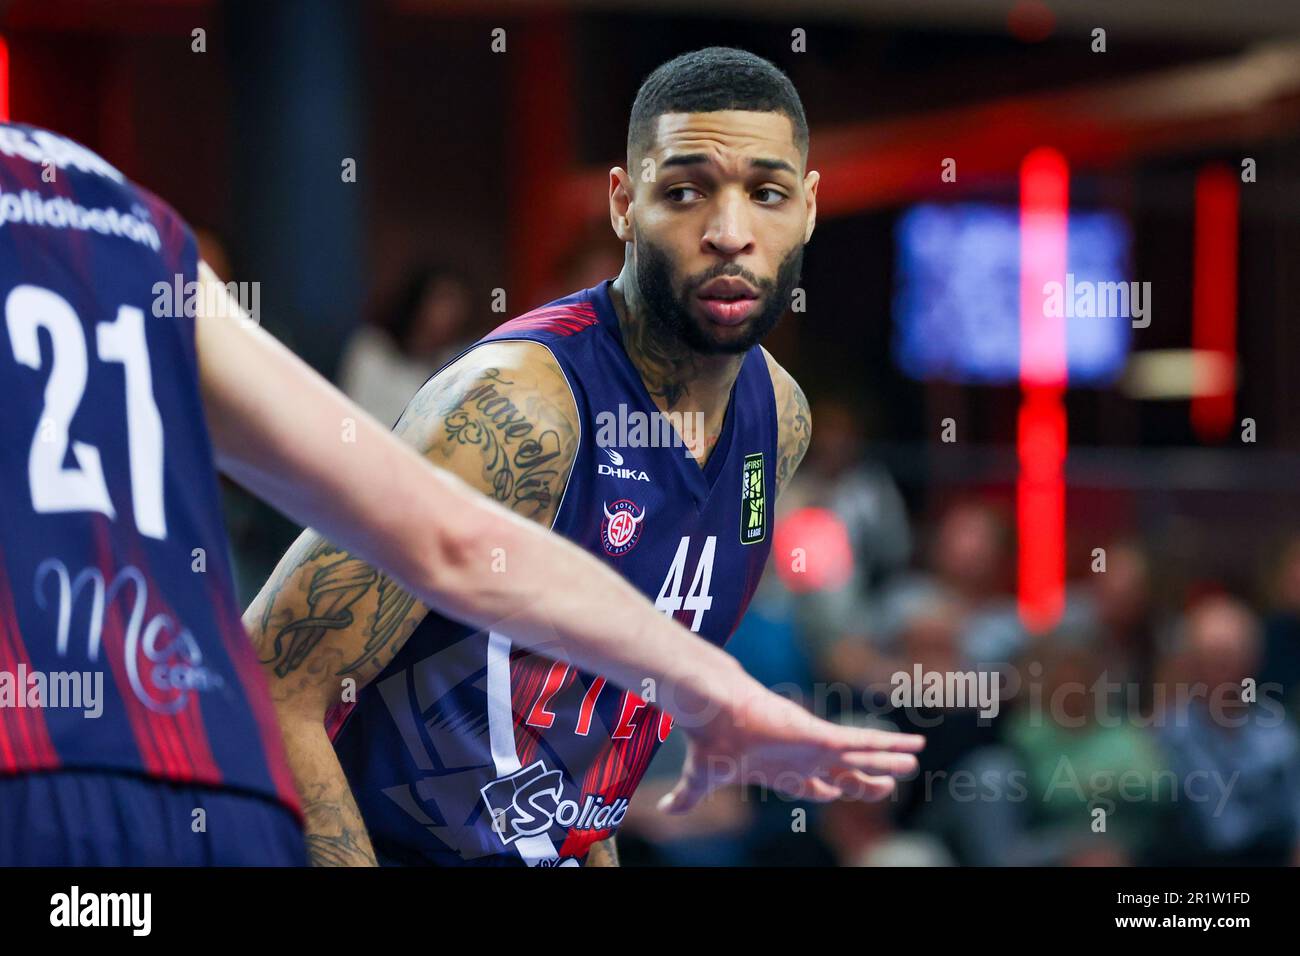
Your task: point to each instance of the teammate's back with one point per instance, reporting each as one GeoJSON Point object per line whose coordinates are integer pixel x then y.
{"type": "Point", "coordinates": [121, 653]}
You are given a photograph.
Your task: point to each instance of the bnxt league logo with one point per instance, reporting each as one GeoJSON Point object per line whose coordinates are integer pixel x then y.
{"type": "Point", "coordinates": [528, 802]}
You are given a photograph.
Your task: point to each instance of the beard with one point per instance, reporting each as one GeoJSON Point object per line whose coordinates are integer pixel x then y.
{"type": "Point", "coordinates": [669, 316]}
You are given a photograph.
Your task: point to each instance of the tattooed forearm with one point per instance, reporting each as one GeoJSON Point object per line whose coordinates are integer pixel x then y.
{"type": "Point", "coordinates": [339, 850]}
{"type": "Point", "coordinates": [306, 550]}
{"type": "Point", "coordinates": [344, 841]}
{"type": "Point", "coordinates": [394, 607]}
{"type": "Point", "coordinates": [604, 853]}
{"type": "Point", "coordinates": [331, 591]}
{"type": "Point", "coordinates": [336, 583]}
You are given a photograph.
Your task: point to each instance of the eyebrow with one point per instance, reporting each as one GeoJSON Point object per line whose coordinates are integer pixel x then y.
{"type": "Point", "coordinates": [693, 159]}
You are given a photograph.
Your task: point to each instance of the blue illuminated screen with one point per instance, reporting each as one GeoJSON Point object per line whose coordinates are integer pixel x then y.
{"type": "Point", "coordinates": [956, 303]}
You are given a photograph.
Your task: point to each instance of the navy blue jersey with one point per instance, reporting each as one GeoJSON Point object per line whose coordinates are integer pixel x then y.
{"type": "Point", "coordinates": [466, 749]}
{"type": "Point", "coordinates": [121, 646]}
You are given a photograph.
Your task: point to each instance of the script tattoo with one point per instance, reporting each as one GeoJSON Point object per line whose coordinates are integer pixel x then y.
{"type": "Point", "coordinates": [521, 462]}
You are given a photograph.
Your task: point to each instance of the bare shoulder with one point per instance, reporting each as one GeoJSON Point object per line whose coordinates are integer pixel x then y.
{"type": "Point", "coordinates": [503, 418]}
{"type": "Point", "coordinates": [794, 422]}
{"type": "Point", "coordinates": [508, 370]}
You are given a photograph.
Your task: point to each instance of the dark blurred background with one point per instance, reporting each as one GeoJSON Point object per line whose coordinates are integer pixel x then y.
{"type": "Point", "coordinates": [1137, 518]}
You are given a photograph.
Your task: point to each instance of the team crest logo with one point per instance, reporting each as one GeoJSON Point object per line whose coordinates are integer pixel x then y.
{"type": "Point", "coordinates": [753, 501]}
{"type": "Point", "coordinates": [621, 529]}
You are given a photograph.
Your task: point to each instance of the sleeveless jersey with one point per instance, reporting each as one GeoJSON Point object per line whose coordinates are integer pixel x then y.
{"type": "Point", "coordinates": [468, 750]}
{"type": "Point", "coordinates": [121, 646]}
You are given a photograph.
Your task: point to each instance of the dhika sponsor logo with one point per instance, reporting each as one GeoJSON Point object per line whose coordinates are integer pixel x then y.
{"type": "Point", "coordinates": [530, 801]}
{"type": "Point", "coordinates": [621, 529]}
{"type": "Point", "coordinates": [616, 470]}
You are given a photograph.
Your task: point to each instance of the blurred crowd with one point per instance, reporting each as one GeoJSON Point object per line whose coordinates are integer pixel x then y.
{"type": "Point", "coordinates": [1154, 725]}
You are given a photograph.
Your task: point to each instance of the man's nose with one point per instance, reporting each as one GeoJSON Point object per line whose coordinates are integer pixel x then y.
{"type": "Point", "coordinates": [730, 232]}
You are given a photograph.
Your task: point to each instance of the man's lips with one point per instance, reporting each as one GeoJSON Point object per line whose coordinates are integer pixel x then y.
{"type": "Point", "coordinates": [728, 300]}
{"type": "Point", "coordinates": [728, 311]}
{"type": "Point", "coordinates": [728, 287]}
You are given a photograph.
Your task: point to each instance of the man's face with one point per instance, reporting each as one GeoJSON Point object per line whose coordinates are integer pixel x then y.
{"type": "Point", "coordinates": [719, 233]}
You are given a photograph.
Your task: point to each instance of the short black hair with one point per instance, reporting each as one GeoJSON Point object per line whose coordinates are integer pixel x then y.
{"type": "Point", "coordinates": [705, 81]}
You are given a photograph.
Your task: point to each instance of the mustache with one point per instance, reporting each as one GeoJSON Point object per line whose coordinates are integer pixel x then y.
{"type": "Point", "coordinates": [730, 271]}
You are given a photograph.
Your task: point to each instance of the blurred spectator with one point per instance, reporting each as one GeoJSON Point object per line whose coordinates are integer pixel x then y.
{"type": "Point", "coordinates": [1114, 612]}
{"type": "Point", "coordinates": [1243, 756]}
{"type": "Point", "coordinates": [929, 637]}
{"type": "Point", "coordinates": [970, 560]}
{"type": "Point", "coordinates": [1081, 750]}
{"type": "Point", "coordinates": [383, 365]}
{"type": "Point", "coordinates": [860, 834]}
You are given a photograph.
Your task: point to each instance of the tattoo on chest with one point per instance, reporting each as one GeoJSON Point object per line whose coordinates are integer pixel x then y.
{"type": "Point", "coordinates": [521, 460]}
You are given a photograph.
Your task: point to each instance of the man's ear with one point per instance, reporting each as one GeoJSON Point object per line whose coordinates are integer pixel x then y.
{"type": "Point", "coordinates": [621, 206]}
{"type": "Point", "coordinates": [810, 198]}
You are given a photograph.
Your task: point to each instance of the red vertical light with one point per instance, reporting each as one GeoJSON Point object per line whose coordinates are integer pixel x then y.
{"type": "Point", "coordinates": [1042, 435]}
{"type": "Point", "coordinates": [1214, 295]}
{"type": "Point", "coordinates": [4, 80]}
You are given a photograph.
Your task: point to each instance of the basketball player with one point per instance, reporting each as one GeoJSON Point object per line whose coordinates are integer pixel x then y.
{"type": "Point", "coordinates": [134, 723]}
{"type": "Point", "coordinates": [462, 746]}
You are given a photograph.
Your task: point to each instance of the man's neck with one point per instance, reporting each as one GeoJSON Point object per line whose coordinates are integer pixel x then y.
{"type": "Point", "coordinates": [678, 378]}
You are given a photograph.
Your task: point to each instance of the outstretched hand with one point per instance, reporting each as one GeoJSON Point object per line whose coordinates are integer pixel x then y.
{"type": "Point", "coordinates": [767, 740]}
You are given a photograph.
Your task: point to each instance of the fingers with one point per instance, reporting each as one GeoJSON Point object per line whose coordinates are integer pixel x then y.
{"type": "Point", "coordinates": [813, 789]}
{"type": "Point", "coordinates": [682, 798]}
{"type": "Point", "coordinates": [692, 787]}
{"type": "Point", "coordinates": [863, 738]}
{"type": "Point", "coordinates": [856, 785]}
{"type": "Point", "coordinates": [881, 764]}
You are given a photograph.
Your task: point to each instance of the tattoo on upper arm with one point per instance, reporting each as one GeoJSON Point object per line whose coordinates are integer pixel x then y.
{"type": "Point", "coordinates": [526, 451]}
{"type": "Point", "coordinates": [795, 422]}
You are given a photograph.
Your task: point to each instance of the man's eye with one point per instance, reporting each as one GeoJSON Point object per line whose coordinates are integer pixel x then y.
{"type": "Point", "coordinates": [775, 196]}
{"type": "Point", "coordinates": [676, 194]}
